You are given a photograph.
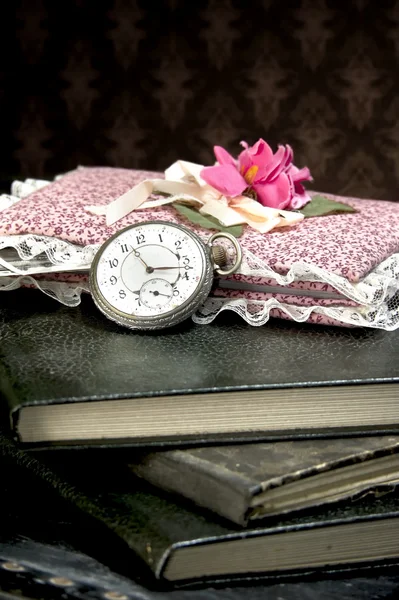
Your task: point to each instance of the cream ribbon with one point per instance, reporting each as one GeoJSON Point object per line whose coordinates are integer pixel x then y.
{"type": "Point", "coordinates": [183, 184]}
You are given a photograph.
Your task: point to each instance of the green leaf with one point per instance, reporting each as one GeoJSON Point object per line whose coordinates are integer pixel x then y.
{"type": "Point", "coordinates": [206, 221]}
{"type": "Point", "coordinates": [319, 206]}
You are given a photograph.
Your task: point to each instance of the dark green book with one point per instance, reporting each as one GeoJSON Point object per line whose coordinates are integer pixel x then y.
{"type": "Point", "coordinates": [181, 545]}
{"type": "Point", "coordinates": [41, 557]}
{"type": "Point", "coordinates": [247, 482]}
{"type": "Point", "coordinates": [94, 506]}
{"type": "Point", "coordinates": [68, 376]}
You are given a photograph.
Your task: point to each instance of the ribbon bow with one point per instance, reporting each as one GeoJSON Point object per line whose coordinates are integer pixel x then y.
{"type": "Point", "coordinates": [184, 184]}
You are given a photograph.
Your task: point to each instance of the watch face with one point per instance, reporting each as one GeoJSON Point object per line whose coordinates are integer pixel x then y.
{"type": "Point", "coordinates": [151, 273]}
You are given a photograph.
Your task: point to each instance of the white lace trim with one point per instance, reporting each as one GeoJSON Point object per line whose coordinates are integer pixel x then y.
{"type": "Point", "coordinates": [377, 296]}
{"type": "Point", "coordinates": [381, 283]}
{"type": "Point", "coordinates": [31, 254]}
{"type": "Point", "coordinates": [254, 312]}
{"type": "Point", "coordinates": [41, 254]}
{"type": "Point", "coordinates": [65, 292]}
{"type": "Point", "coordinates": [7, 200]}
{"type": "Point", "coordinates": [257, 312]}
{"type": "Point", "coordinates": [21, 189]}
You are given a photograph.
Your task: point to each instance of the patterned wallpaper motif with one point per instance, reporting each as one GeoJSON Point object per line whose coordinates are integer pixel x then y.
{"type": "Point", "coordinates": [141, 83]}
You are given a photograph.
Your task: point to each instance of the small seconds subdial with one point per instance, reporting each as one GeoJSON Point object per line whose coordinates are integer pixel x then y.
{"type": "Point", "coordinates": [156, 293]}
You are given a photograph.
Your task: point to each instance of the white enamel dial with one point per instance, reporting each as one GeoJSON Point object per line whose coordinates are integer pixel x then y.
{"type": "Point", "coordinates": [150, 271]}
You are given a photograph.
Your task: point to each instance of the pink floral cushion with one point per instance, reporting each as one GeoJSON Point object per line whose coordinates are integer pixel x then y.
{"type": "Point", "coordinates": [348, 245]}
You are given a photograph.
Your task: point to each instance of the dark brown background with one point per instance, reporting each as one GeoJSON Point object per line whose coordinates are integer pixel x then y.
{"type": "Point", "coordinates": [141, 83]}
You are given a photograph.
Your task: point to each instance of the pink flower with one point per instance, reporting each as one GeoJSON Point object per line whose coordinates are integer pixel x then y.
{"type": "Point", "coordinates": [300, 197]}
{"type": "Point", "coordinates": [276, 182]}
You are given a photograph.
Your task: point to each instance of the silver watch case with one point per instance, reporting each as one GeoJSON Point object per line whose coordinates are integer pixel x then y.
{"type": "Point", "coordinates": [155, 322]}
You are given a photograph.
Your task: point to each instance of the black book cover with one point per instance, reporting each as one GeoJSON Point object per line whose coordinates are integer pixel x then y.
{"type": "Point", "coordinates": [40, 557]}
{"type": "Point", "coordinates": [192, 384]}
{"type": "Point", "coordinates": [184, 546]}
{"type": "Point", "coordinates": [247, 482]}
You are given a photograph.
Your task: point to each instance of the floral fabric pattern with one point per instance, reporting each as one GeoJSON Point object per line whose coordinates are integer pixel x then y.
{"type": "Point", "coordinates": [349, 245]}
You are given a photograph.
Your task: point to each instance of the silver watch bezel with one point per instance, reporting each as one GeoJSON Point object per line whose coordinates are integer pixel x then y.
{"type": "Point", "coordinates": [176, 315]}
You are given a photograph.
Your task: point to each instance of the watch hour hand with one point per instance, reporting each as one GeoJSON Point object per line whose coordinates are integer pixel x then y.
{"type": "Point", "coordinates": [147, 267]}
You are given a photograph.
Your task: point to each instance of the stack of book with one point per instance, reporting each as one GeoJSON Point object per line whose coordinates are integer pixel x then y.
{"type": "Point", "coordinates": [213, 452]}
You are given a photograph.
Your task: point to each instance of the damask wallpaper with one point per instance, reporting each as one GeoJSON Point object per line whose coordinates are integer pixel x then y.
{"type": "Point", "coordinates": [141, 83]}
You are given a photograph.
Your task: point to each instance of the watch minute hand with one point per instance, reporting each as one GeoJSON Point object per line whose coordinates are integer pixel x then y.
{"type": "Point", "coordinates": [164, 268]}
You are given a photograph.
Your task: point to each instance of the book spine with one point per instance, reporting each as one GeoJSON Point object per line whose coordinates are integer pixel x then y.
{"type": "Point", "coordinates": [203, 482]}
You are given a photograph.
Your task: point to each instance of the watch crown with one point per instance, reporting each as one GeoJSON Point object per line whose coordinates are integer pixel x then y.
{"type": "Point", "coordinates": [219, 256]}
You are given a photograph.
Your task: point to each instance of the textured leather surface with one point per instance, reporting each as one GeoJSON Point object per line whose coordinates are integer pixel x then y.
{"type": "Point", "coordinates": [53, 571]}
{"type": "Point", "coordinates": [226, 478]}
{"type": "Point", "coordinates": [44, 539]}
{"type": "Point", "coordinates": [50, 352]}
{"type": "Point", "coordinates": [48, 562]}
{"type": "Point", "coordinates": [149, 524]}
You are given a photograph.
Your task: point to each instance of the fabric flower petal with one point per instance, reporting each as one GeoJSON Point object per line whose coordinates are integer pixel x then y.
{"type": "Point", "coordinates": [289, 156]}
{"type": "Point", "coordinates": [271, 170]}
{"type": "Point", "coordinates": [223, 157]}
{"type": "Point", "coordinates": [276, 194]}
{"type": "Point", "coordinates": [300, 197]}
{"type": "Point", "coordinates": [260, 151]}
{"type": "Point", "coordinates": [224, 178]}
{"type": "Point", "coordinates": [259, 154]}
{"type": "Point", "coordinates": [299, 200]}
{"type": "Point", "coordinates": [299, 174]}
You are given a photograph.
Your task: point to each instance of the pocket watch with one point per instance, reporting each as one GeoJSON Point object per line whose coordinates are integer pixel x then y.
{"type": "Point", "coordinates": [155, 274]}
